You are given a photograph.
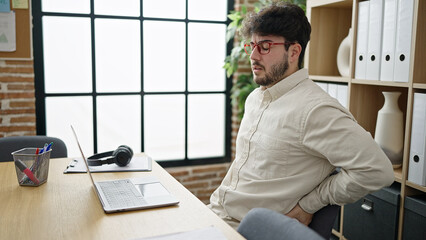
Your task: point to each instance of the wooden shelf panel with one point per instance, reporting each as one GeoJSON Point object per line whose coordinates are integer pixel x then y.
{"type": "Point", "coordinates": [331, 3]}
{"type": "Point", "coordinates": [419, 85]}
{"type": "Point", "coordinates": [419, 51]}
{"type": "Point", "coordinates": [398, 174]}
{"type": "Point", "coordinates": [336, 233]}
{"type": "Point", "coordinates": [329, 79]}
{"type": "Point", "coordinates": [381, 83]}
{"type": "Point", "coordinates": [416, 186]}
{"type": "Point", "coordinates": [330, 25]}
{"type": "Point", "coordinates": [367, 99]}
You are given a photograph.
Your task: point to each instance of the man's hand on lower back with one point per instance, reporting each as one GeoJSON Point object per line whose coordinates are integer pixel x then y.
{"type": "Point", "coordinates": [299, 214]}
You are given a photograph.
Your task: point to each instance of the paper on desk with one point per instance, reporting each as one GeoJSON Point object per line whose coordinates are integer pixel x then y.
{"type": "Point", "coordinates": [137, 164]}
{"type": "Point", "coordinates": [208, 233]}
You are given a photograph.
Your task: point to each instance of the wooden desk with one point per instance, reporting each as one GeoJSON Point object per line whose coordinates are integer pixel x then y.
{"type": "Point", "coordinates": [66, 207]}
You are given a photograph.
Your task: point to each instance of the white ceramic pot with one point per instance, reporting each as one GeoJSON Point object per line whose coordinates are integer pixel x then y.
{"type": "Point", "coordinates": [343, 54]}
{"type": "Point", "coordinates": [390, 128]}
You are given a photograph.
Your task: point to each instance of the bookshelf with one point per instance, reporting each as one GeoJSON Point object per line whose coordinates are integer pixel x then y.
{"type": "Point", "coordinates": [330, 21]}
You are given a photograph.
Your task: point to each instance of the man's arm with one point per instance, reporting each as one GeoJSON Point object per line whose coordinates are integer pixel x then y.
{"type": "Point", "coordinates": [331, 132]}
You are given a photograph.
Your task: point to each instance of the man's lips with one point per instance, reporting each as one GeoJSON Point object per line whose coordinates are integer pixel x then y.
{"type": "Point", "coordinates": [257, 67]}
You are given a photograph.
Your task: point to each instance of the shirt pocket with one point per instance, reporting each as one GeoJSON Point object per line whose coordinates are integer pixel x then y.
{"type": "Point", "coordinates": [270, 161]}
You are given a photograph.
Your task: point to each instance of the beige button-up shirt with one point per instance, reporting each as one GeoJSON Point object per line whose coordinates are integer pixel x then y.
{"type": "Point", "coordinates": [291, 138]}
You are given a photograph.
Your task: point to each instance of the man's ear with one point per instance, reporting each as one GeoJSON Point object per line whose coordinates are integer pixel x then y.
{"type": "Point", "coordinates": [294, 52]}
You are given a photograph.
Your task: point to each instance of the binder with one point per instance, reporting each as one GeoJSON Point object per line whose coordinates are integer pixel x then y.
{"type": "Point", "coordinates": [342, 95]}
{"type": "Point", "coordinates": [404, 29]}
{"type": "Point", "coordinates": [362, 39]}
{"type": "Point", "coordinates": [332, 90]}
{"type": "Point", "coordinates": [417, 165]}
{"type": "Point", "coordinates": [388, 44]}
{"type": "Point", "coordinates": [374, 40]}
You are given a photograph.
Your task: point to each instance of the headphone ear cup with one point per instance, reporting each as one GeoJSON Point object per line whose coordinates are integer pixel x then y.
{"type": "Point", "coordinates": [122, 155]}
{"type": "Point", "coordinates": [128, 148]}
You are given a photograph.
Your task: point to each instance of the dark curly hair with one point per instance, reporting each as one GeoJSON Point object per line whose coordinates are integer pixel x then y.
{"type": "Point", "coordinates": [279, 19]}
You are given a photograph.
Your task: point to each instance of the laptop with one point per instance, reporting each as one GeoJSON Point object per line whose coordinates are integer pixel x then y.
{"type": "Point", "coordinates": [129, 194]}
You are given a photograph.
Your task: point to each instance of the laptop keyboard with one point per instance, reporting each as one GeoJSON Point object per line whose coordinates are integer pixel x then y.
{"type": "Point", "coordinates": [121, 194]}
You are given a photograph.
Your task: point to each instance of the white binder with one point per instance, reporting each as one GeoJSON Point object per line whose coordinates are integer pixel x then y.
{"type": "Point", "coordinates": [417, 165]}
{"type": "Point", "coordinates": [342, 95]}
{"type": "Point", "coordinates": [404, 29]}
{"type": "Point", "coordinates": [362, 39]}
{"type": "Point", "coordinates": [388, 44]}
{"type": "Point", "coordinates": [374, 45]}
{"type": "Point", "coordinates": [332, 90]}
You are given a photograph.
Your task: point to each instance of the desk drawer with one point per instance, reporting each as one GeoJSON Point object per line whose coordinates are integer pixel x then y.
{"type": "Point", "coordinates": [414, 218]}
{"type": "Point", "coordinates": [374, 216]}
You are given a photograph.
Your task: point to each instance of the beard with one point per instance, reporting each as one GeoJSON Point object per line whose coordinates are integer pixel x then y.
{"type": "Point", "coordinates": [275, 75]}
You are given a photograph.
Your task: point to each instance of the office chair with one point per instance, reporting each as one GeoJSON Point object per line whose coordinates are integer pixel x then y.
{"type": "Point", "coordinates": [11, 144]}
{"type": "Point", "coordinates": [262, 223]}
{"type": "Point", "coordinates": [323, 220]}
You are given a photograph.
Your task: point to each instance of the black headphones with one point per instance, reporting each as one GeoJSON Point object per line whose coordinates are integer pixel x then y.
{"type": "Point", "coordinates": [120, 156]}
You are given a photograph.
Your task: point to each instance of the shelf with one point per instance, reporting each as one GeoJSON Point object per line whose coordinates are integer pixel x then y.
{"type": "Point", "coordinates": [332, 3]}
{"type": "Point", "coordinates": [398, 174]}
{"type": "Point", "coordinates": [330, 21]}
{"type": "Point", "coordinates": [419, 85]}
{"type": "Point", "coordinates": [416, 186]}
{"type": "Point", "coordinates": [381, 83]}
{"type": "Point", "coordinates": [367, 100]}
{"type": "Point", "coordinates": [329, 79]}
{"type": "Point", "coordinates": [336, 233]}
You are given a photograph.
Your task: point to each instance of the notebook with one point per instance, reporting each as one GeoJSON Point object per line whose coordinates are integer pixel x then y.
{"type": "Point", "coordinates": [129, 194]}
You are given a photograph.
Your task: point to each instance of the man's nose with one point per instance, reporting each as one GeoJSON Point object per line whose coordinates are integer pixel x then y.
{"type": "Point", "coordinates": [255, 54]}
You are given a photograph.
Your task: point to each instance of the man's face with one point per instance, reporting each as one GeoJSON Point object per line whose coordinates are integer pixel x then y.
{"type": "Point", "coordinates": [268, 69]}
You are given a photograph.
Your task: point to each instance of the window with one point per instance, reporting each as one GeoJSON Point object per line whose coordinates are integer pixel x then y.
{"type": "Point", "coordinates": [147, 74]}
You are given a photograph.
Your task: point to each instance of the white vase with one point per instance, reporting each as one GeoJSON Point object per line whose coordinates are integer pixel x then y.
{"type": "Point", "coordinates": [343, 55]}
{"type": "Point", "coordinates": [390, 128]}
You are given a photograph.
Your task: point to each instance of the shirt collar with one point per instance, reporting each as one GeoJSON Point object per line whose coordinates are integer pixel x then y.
{"type": "Point", "coordinates": [288, 83]}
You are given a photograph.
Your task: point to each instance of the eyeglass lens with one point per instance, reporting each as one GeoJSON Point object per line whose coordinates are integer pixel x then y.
{"type": "Point", "coordinates": [262, 47]}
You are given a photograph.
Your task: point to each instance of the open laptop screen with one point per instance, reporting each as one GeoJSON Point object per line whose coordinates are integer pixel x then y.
{"type": "Point", "coordinates": [82, 155]}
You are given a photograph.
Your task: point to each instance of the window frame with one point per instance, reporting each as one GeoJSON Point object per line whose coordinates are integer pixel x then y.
{"type": "Point", "coordinates": [41, 95]}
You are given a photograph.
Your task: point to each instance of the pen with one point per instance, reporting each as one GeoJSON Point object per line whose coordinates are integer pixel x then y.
{"type": "Point", "coordinates": [21, 165]}
{"type": "Point", "coordinates": [38, 151]}
{"type": "Point", "coordinates": [43, 149]}
{"type": "Point", "coordinates": [49, 146]}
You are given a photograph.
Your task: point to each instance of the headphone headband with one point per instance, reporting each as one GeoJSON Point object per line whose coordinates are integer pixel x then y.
{"type": "Point", "coordinates": [96, 160]}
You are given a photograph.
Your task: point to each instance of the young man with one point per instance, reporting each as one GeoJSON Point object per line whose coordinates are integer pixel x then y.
{"type": "Point", "coordinates": [293, 134]}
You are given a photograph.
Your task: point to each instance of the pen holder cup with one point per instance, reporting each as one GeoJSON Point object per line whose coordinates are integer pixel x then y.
{"type": "Point", "coordinates": [31, 168]}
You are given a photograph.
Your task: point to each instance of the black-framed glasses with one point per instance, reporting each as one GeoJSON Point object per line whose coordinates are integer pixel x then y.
{"type": "Point", "coordinates": [263, 47]}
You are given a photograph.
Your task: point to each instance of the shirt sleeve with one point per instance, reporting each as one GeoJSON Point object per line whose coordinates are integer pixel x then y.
{"type": "Point", "coordinates": [331, 131]}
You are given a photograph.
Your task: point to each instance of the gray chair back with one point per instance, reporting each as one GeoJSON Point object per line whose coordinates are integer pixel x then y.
{"type": "Point", "coordinates": [11, 144]}
{"type": "Point", "coordinates": [262, 223]}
